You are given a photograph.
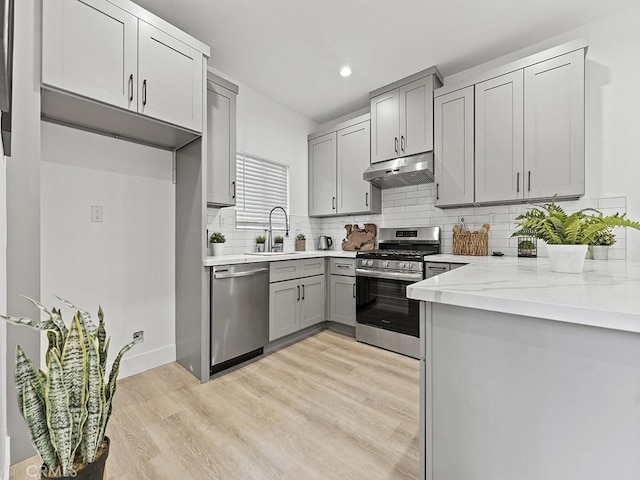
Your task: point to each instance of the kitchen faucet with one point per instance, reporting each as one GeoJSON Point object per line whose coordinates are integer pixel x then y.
{"type": "Point", "coordinates": [286, 233]}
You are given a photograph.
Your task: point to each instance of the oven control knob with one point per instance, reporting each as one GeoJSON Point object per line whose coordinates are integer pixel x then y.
{"type": "Point", "coordinates": [410, 266]}
{"type": "Point", "coordinates": [402, 265]}
{"type": "Point", "coordinates": [385, 264]}
{"type": "Point", "coordinates": [369, 263]}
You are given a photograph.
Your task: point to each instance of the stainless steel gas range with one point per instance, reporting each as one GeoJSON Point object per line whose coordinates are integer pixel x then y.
{"type": "Point", "coordinates": [385, 317]}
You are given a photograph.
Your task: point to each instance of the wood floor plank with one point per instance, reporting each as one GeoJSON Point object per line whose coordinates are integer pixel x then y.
{"type": "Point", "coordinates": [325, 408]}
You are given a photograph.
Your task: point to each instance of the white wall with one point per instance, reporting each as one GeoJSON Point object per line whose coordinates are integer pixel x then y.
{"type": "Point", "coordinates": [269, 130]}
{"type": "Point", "coordinates": [4, 464]}
{"type": "Point", "coordinates": [126, 263]}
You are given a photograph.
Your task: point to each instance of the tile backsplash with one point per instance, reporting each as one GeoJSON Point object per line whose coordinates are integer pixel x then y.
{"type": "Point", "coordinates": [413, 206]}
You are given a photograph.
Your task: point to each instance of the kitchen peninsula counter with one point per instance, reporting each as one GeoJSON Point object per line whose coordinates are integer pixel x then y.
{"type": "Point", "coordinates": [529, 374]}
{"type": "Point", "coordinates": [606, 294]}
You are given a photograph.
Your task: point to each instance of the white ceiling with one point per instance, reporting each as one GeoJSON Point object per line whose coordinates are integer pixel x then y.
{"type": "Point", "coordinates": [292, 50]}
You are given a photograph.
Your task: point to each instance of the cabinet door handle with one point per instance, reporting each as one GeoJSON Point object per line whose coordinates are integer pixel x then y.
{"type": "Point", "coordinates": [131, 87]}
{"type": "Point", "coordinates": [366, 199]}
{"type": "Point", "coordinates": [518, 183]}
{"type": "Point", "coordinates": [402, 143]}
{"type": "Point", "coordinates": [529, 181]}
{"type": "Point", "coordinates": [233, 185]}
{"type": "Point", "coordinates": [396, 147]}
{"type": "Point", "coordinates": [354, 290]}
{"type": "Point", "coordinates": [298, 293]}
{"type": "Point", "coordinates": [144, 92]}
{"type": "Point", "coordinates": [302, 292]}
{"type": "Point", "coordinates": [333, 203]}
{"type": "Point", "coordinates": [437, 191]}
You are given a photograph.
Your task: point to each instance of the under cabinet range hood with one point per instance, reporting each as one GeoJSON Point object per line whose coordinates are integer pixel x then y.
{"type": "Point", "coordinates": [400, 172]}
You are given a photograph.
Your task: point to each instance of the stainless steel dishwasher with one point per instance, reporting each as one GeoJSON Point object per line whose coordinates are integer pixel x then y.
{"type": "Point", "coordinates": [239, 313]}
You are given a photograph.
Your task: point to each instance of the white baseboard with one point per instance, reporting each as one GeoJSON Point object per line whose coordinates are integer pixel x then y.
{"type": "Point", "coordinates": [7, 459]}
{"type": "Point", "coordinates": [142, 362]}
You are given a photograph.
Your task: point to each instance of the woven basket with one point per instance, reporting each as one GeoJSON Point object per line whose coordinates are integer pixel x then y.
{"type": "Point", "coordinates": [300, 245]}
{"type": "Point", "coordinates": [476, 244]}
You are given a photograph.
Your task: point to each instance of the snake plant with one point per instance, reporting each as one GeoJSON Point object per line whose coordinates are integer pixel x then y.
{"type": "Point", "coordinates": [550, 223]}
{"type": "Point", "coordinates": [67, 408]}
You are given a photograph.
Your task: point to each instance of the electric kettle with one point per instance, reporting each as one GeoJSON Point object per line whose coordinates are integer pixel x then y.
{"type": "Point", "coordinates": [324, 242]}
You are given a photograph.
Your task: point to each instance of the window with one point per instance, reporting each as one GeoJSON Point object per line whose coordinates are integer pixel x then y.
{"type": "Point", "coordinates": [261, 184]}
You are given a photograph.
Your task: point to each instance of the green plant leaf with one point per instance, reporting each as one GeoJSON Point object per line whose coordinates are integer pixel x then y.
{"type": "Point", "coordinates": [113, 377]}
{"type": "Point", "coordinates": [59, 417]}
{"type": "Point", "coordinates": [35, 414]}
{"type": "Point", "coordinates": [96, 405]}
{"type": "Point", "coordinates": [102, 340]}
{"type": "Point", "coordinates": [74, 361]}
{"type": "Point", "coordinates": [26, 375]}
{"type": "Point", "coordinates": [54, 316]}
{"type": "Point", "coordinates": [29, 322]}
{"type": "Point", "coordinates": [85, 317]}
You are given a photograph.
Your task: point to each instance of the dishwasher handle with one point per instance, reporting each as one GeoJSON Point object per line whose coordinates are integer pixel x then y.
{"type": "Point", "coordinates": [248, 273]}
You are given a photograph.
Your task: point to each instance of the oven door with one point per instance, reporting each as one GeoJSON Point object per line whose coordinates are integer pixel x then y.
{"type": "Point", "coordinates": [381, 301]}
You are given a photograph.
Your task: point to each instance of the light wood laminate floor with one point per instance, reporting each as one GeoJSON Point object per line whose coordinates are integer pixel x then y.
{"type": "Point", "coordinates": [324, 408]}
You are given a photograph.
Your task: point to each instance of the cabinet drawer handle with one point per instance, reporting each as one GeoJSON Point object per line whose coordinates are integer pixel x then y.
{"type": "Point", "coordinates": [402, 143]}
{"type": "Point", "coordinates": [437, 191]}
{"type": "Point", "coordinates": [385, 321]}
{"type": "Point", "coordinates": [333, 203]}
{"type": "Point", "coordinates": [396, 147]}
{"type": "Point", "coordinates": [298, 293]}
{"type": "Point", "coordinates": [366, 199]}
{"type": "Point", "coordinates": [354, 290]}
{"type": "Point", "coordinates": [529, 181]}
{"type": "Point", "coordinates": [342, 266]}
{"type": "Point", "coordinates": [518, 183]}
{"type": "Point", "coordinates": [144, 92]}
{"type": "Point", "coordinates": [302, 292]}
{"type": "Point", "coordinates": [131, 87]}
{"type": "Point", "coordinates": [233, 185]}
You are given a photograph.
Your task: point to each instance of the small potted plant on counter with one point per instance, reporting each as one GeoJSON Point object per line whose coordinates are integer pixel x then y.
{"type": "Point", "coordinates": [600, 245]}
{"type": "Point", "coordinates": [278, 243]}
{"type": "Point", "coordinates": [301, 242]}
{"type": "Point", "coordinates": [67, 408]}
{"type": "Point", "coordinates": [527, 247]}
{"type": "Point", "coordinates": [260, 241]}
{"type": "Point", "coordinates": [217, 240]}
{"type": "Point", "coordinates": [568, 236]}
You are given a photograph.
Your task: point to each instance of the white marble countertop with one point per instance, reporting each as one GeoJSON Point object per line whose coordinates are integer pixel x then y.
{"type": "Point", "coordinates": [606, 294]}
{"type": "Point", "coordinates": [250, 258]}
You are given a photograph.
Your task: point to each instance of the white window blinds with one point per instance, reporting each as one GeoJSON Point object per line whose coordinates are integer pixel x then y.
{"type": "Point", "coordinates": [261, 184]}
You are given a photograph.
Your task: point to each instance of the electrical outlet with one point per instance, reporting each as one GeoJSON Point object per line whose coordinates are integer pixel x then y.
{"type": "Point", "coordinates": [96, 213]}
{"type": "Point", "coordinates": [492, 218]}
{"type": "Point", "coordinates": [139, 336]}
{"type": "Point", "coordinates": [460, 220]}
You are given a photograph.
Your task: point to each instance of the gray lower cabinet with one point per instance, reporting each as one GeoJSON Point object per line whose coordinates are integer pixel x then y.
{"type": "Point", "coordinates": [343, 299]}
{"type": "Point", "coordinates": [342, 291]}
{"type": "Point", "coordinates": [296, 296]}
{"type": "Point", "coordinates": [221, 142]}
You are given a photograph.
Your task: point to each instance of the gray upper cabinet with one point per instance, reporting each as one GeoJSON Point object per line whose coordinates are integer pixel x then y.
{"type": "Point", "coordinates": [90, 48]}
{"type": "Point", "coordinates": [322, 175]}
{"type": "Point", "coordinates": [354, 193]}
{"type": "Point", "coordinates": [554, 127]}
{"type": "Point", "coordinates": [453, 149]}
{"type": "Point", "coordinates": [337, 161]}
{"type": "Point", "coordinates": [101, 51]}
{"type": "Point", "coordinates": [499, 138]}
{"type": "Point", "coordinates": [402, 116]}
{"type": "Point", "coordinates": [528, 126]}
{"type": "Point", "coordinates": [221, 142]}
{"type": "Point", "coordinates": [385, 126]}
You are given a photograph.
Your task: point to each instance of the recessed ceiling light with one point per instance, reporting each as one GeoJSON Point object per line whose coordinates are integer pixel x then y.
{"type": "Point", "coordinates": [345, 71]}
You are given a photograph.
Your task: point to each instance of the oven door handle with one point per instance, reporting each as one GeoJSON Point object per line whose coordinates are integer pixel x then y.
{"type": "Point", "coordinates": [408, 277]}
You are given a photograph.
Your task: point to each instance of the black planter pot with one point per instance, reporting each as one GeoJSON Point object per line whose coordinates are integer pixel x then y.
{"type": "Point", "coordinates": [93, 471]}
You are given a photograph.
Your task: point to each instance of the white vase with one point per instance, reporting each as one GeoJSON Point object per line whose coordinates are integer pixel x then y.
{"type": "Point", "coordinates": [567, 258]}
{"type": "Point", "coordinates": [218, 249]}
{"type": "Point", "coordinates": [600, 252]}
